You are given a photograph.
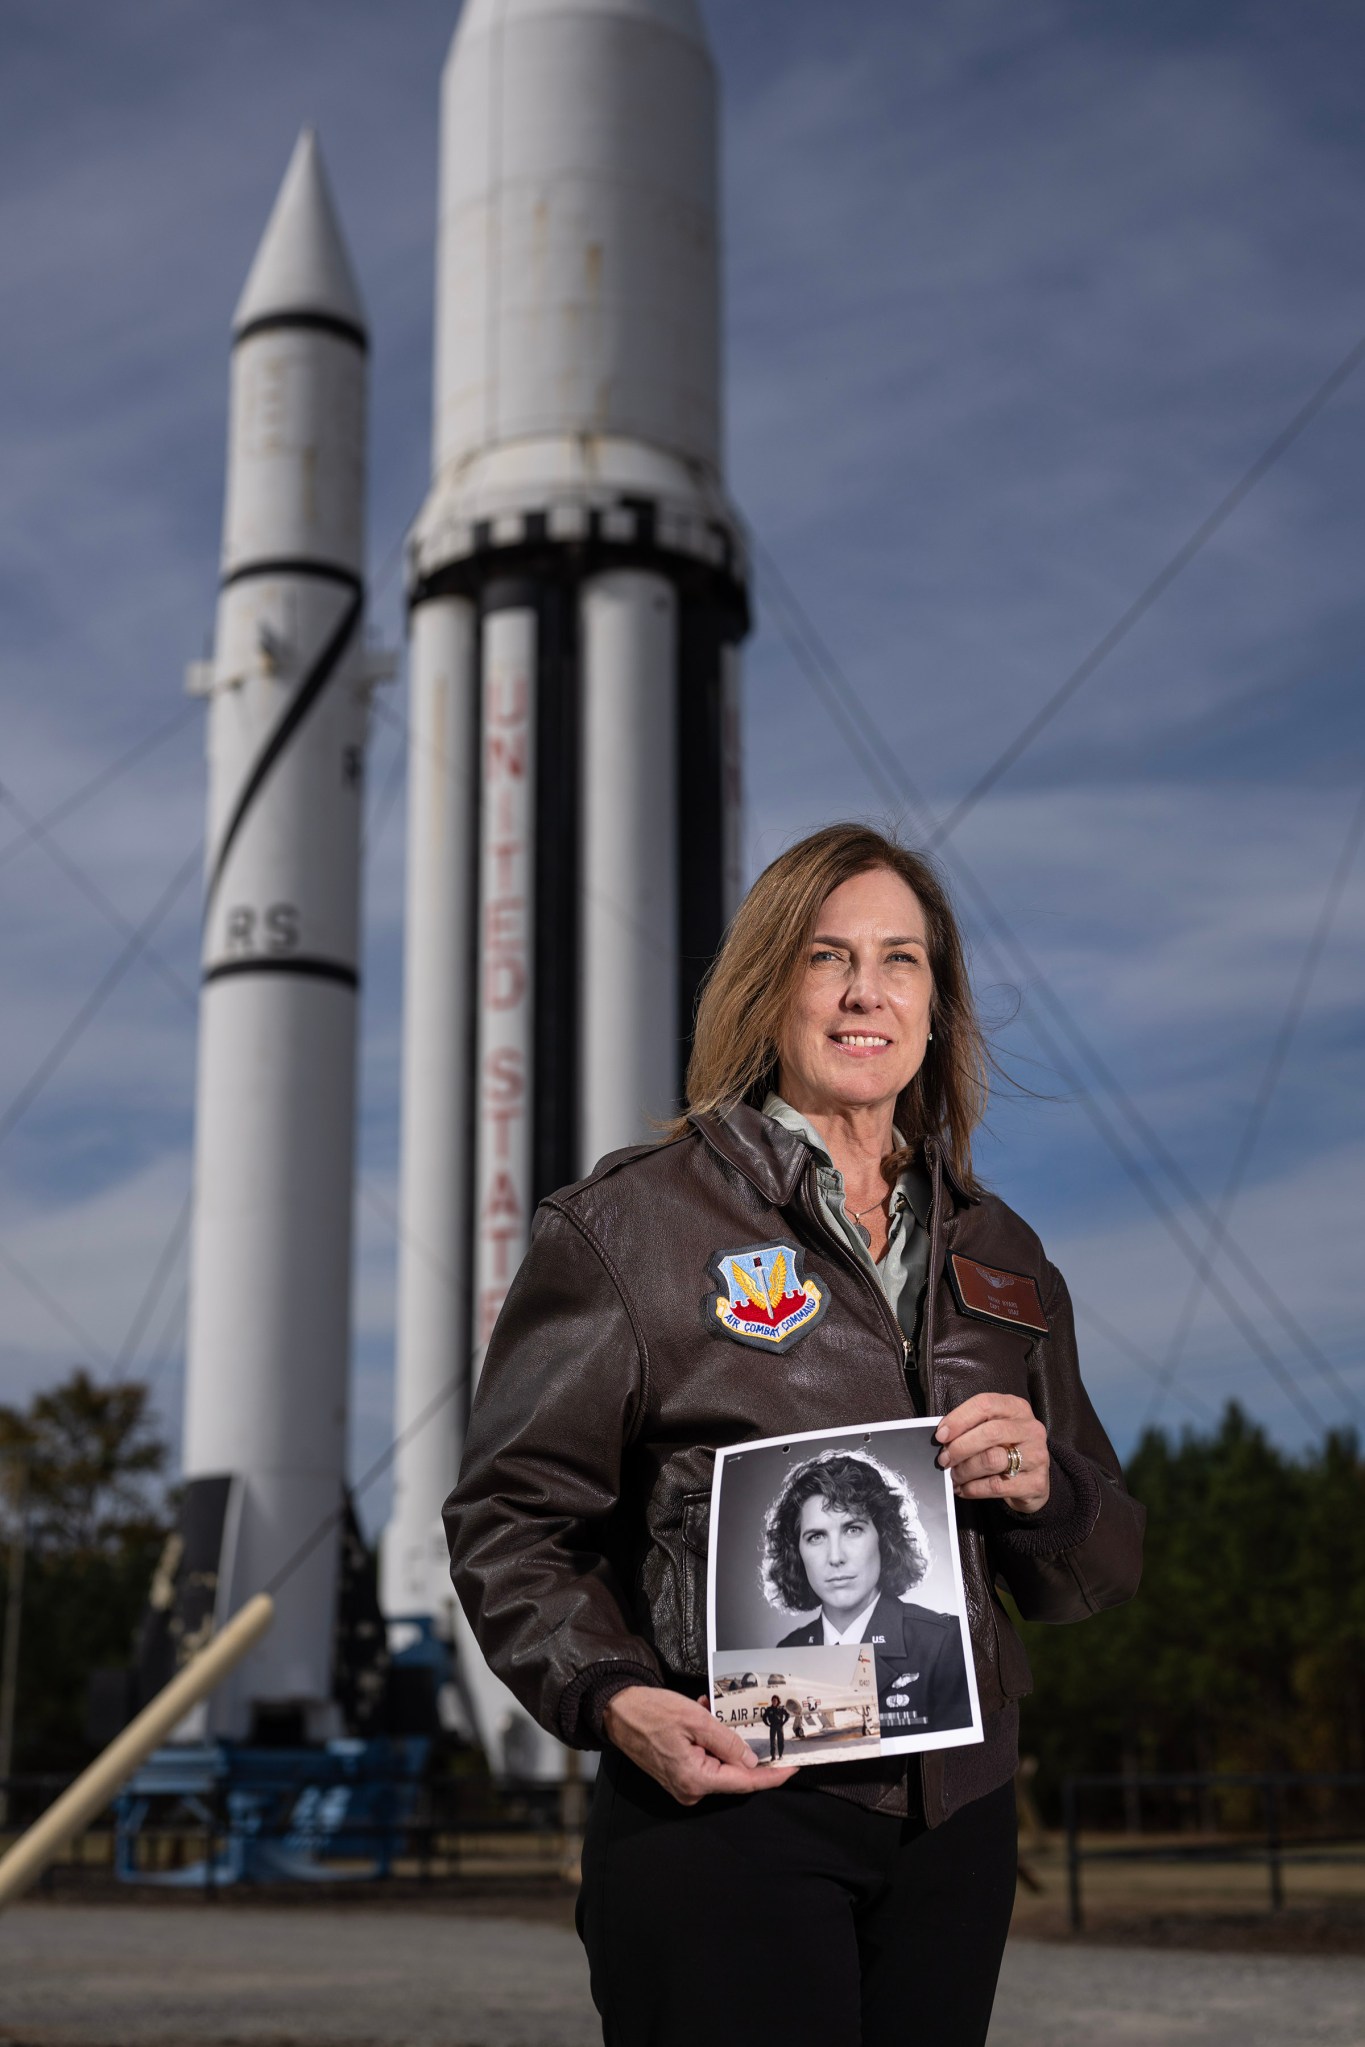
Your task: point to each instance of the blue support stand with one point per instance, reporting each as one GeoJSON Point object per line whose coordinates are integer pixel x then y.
{"type": "Point", "coordinates": [306, 1815]}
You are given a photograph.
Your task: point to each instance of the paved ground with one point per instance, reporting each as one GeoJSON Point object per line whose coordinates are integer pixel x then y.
{"type": "Point", "coordinates": [245, 1976]}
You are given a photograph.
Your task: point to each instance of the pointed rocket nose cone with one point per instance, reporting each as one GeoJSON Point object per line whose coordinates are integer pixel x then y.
{"type": "Point", "coordinates": [301, 265]}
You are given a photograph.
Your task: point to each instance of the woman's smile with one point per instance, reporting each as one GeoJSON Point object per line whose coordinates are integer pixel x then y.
{"type": "Point", "coordinates": [858, 1043]}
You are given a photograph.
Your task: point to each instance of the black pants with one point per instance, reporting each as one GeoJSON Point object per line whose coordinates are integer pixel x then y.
{"type": "Point", "coordinates": [791, 1916]}
{"type": "Point", "coordinates": [775, 1743]}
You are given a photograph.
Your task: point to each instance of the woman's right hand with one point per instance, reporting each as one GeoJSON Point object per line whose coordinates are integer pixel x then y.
{"type": "Point", "coordinates": [682, 1745]}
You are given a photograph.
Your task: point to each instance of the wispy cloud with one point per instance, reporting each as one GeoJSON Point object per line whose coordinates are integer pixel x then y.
{"type": "Point", "coordinates": [1014, 293]}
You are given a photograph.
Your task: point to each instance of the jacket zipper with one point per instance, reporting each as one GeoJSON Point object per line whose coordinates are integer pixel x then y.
{"type": "Point", "coordinates": [902, 1341]}
{"type": "Point", "coordinates": [931, 1778]}
{"type": "Point", "coordinates": [924, 1770]}
{"type": "Point", "coordinates": [931, 1283]}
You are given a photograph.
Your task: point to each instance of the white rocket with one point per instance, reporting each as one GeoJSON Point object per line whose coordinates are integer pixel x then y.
{"type": "Point", "coordinates": [577, 596]}
{"type": "Point", "coordinates": [265, 1407]}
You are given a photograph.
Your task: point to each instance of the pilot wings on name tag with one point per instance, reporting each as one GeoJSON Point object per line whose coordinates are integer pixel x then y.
{"type": "Point", "coordinates": [993, 1295]}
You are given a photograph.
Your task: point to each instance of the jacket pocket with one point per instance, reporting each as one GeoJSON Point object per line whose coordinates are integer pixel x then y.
{"type": "Point", "coordinates": [1002, 1670]}
{"type": "Point", "coordinates": [696, 1537]}
{"type": "Point", "coordinates": [1016, 1679]}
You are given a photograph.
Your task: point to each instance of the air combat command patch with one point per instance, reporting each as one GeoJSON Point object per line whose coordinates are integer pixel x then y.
{"type": "Point", "coordinates": [761, 1297]}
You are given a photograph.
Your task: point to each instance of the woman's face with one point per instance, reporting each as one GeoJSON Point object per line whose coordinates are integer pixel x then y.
{"type": "Point", "coordinates": [857, 1029]}
{"type": "Point", "coordinates": [842, 1554]}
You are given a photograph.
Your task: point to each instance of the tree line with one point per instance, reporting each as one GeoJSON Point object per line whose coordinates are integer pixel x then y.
{"type": "Point", "coordinates": [1244, 1650]}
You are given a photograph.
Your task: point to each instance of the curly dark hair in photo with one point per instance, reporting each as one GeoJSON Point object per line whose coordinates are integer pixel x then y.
{"type": "Point", "coordinates": [849, 1482]}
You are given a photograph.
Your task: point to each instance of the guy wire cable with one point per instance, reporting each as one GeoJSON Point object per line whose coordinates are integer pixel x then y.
{"type": "Point", "coordinates": [821, 668]}
{"type": "Point", "coordinates": [61, 1315]}
{"type": "Point", "coordinates": [382, 807]}
{"type": "Point", "coordinates": [1275, 1063]}
{"type": "Point", "coordinates": [367, 1478]}
{"type": "Point", "coordinates": [1091, 1106]}
{"type": "Point", "coordinates": [1246, 1267]}
{"type": "Point", "coordinates": [173, 1333]}
{"type": "Point", "coordinates": [88, 1011]}
{"type": "Point", "coordinates": [376, 1199]}
{"type": "Point", "coordinates": [457, 1385]}
{"type": "Point", "coordinates": [1194, 1401]}
{"type": "Point", "coordinates": [1181, 1237]}
{"type": "Point", "coordinates": [70, 804]}
{"type": "Point", "coordinates": [137, 945]}
{"type": "Point", "coordinates": [824, 674]}
{"type": "Point", "coordinates": [1156, 589]}
{"type": "Point", "coordinates": [41, 836]}
{"type": "Point", "coordinates": [38, 830]}
{"type": "Point", "coordinates": [151, 1296]}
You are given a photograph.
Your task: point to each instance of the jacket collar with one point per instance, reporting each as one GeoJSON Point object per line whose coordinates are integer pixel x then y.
{"type": "Point", "coordinates": [933, 1151]}
{"type": "Point", "coordinates": [773, 1158]}
{"type": "Point", "coordinates": [770, 1157]}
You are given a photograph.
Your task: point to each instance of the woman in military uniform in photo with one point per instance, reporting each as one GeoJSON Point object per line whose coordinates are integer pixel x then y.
{"type": "Point", "coordinates": [846, 1534]}
{"type": "Point", "coordinates": [807, 1249]}
{"type": "Point", "coordinates": [775, 1717]}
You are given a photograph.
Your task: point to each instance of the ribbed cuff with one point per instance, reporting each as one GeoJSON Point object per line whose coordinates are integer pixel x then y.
{"type": "Point", "coordinates": [586, 1699]}
{"type": "Point", "coordinates": [1071, 1512]}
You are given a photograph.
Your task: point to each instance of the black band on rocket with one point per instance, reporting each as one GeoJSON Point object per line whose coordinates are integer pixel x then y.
{"type": "Point", "coordinates": [290, 565]}
{"type": "Point", "coordinates": [321, 323]}
{"type": "Point", "coordinates": [298, 963]}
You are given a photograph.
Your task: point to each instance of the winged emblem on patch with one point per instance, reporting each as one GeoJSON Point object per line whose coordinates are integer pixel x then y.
{"type": "Point", "coordinates": [995, 1278]}
{"type": "Point", "coordinates": [761, 1297]}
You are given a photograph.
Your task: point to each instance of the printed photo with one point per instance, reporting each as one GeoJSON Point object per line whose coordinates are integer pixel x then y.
{"type": "Point", "coordinates": [821, 1704]}
{"type": "Point", "coordinates": [823, 1548]}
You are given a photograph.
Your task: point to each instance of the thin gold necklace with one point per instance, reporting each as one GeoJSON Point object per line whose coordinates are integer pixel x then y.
{"type": "Point", "coordinates": [854, 1215]}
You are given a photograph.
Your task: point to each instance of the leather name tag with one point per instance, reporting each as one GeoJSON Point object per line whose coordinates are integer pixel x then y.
{"type": "Point", "coordinates": [996, 1296]}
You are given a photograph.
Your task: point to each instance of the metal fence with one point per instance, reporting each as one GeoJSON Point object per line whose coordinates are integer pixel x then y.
{"type": "Point", "coordinates": [425, 1831]}
{"type": "Point", "coordinates": [1295, 1819]}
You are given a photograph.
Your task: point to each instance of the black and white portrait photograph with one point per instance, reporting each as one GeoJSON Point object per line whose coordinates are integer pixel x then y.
{"type": "Point", "coordinates": [821, 1544]}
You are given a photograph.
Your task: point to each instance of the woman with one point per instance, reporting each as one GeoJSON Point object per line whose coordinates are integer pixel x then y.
{"type": "Point", "coordinates": [836, 1078]}
{"type": "Point", "coordinates": [845, 1534]}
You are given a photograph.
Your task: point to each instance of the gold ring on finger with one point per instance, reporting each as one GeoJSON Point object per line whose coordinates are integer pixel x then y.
{"type": "Point", "coordinates": [1012, 1461]}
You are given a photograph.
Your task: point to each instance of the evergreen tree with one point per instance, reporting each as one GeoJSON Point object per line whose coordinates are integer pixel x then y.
{"type": "Point", "coordinates": [1245, 1648]}
{"type": "Point", "coordinates": [96, 1517]}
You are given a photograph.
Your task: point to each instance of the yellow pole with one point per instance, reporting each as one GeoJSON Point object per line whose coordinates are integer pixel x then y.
{"type": "Point", "coordinates": [105, 1777]}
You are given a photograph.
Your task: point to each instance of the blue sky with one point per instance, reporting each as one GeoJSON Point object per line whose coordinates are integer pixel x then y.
{"type": "Point", "coordinates": [1015, 292]}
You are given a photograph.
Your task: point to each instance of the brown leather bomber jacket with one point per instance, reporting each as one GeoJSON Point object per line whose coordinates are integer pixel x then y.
{"type": "Point", "coordinates": [578, 1529]}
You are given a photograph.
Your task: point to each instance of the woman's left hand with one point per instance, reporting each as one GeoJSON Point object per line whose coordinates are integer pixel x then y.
{"type": "Point", "coordinates": [977, 1438]}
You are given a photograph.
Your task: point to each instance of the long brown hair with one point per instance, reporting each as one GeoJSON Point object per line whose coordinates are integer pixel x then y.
{"type": "Point", "coordinates": [753, 980]}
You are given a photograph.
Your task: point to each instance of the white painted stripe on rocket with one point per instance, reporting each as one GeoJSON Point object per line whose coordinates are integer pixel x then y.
{"type": "Point", "coordinates": [433, 1337]}
{"type": "Point", "coordinates": [629, 1034]}
{"type": "Point", "coordinates": [505, 1056]}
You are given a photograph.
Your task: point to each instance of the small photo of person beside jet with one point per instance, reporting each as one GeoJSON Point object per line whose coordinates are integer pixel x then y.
{"type": "Point", "coordinates": [804, 1707]}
